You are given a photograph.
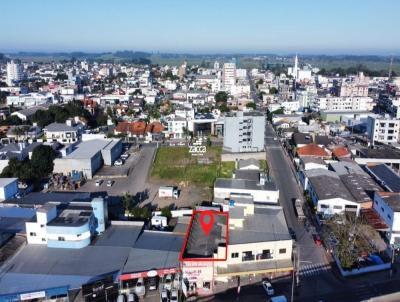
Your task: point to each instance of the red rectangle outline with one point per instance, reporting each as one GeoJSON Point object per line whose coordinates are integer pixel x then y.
{"type": "Point", "coordinates": [181, 259]}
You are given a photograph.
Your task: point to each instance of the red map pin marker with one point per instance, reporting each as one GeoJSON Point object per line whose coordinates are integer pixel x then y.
{"type": "Point", "coordinates": [207, 221]}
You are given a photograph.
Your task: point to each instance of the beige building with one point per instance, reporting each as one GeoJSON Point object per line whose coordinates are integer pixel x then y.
{"type": "Point", "coordinates": [258, 244]}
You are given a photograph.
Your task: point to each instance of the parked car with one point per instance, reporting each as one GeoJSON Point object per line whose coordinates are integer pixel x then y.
{"type": "Point", "coordinates": [110, 183]}
{"type": "Point", "coordinates": [164, 296]}
{"type": "Point", "coordinates": [317, 239]}
{"type": "Point", "coordinates": [140, 289]}
{"type": "Point", "coordinates": [153, 283]}
{"type": "Point", "coordinates": [268, 288]}
{"type": "Point", "coordinates": [119, 162]}
{"type": "Point", "coordinates": [292, 234]}
{"type": "Point", "coordinates": [125, 156]}
{"type": "Point", "coordinates": [121, 298]}
{"type": "Point", "coordinates": [132, 298]}
{"type": "Point", "coordinates": [174, 296]}
{"type": "Point", "coordinates": [99, 182]}
{"type": "Point", "coordinates": [168, 282]}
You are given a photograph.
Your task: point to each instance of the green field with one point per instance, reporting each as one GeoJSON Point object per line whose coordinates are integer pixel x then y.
{"type": "Point", "coordinates": [175, 163]}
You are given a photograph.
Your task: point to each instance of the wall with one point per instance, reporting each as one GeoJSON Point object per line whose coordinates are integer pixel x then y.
{"type": "Point", "coordinates": [258, 195]}
{"type": "Point", "coordinates": [9, 190]}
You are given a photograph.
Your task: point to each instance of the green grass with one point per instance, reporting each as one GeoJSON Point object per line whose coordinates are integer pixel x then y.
{"type": "Point", "coordinates": [176, 164]}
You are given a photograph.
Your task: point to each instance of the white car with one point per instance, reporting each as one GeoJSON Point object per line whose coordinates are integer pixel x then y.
{"type": "Point", "coordinates": [110, 183]}
{"type": "Point", "coordinates": [140, 289]}
{"type": "Point", "coordinates": [125, 156]}
{"type": "Point", "coordinates": [164, 295]}
{"type": "Point", "coordinates": [174, 296]}
{"type": "Point", "coordinates": [168, 282]}
{"type": "Point", "coordinates": [268, 288]}
{"type": "Point", "coordinates": [99, 182]}
{"type": "Point", "coordinates": [118, 162]}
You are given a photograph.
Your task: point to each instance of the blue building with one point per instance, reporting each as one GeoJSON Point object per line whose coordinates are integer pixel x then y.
{"type": "Point", "coordinates": [71, 225]}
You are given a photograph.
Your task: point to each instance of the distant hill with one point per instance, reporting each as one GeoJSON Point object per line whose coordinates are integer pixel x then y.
{"type": "Point", "coordinates": [131, 56]}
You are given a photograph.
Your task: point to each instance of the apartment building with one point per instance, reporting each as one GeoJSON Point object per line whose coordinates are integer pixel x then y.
{"type": "Point", "coordinates": [244, 132]}
{"type": "Point", "coordinates": [383, 130]}
{"type": "Point", "coordinates": [229, 77]}
{"type": "Point", "coordinates": [333, 103]}
{"type": "Point", "coordinates": [15, 72]}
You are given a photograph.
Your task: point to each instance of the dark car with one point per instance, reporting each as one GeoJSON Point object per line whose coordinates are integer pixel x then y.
{"type": "Point", "coordinates": [292, 234]}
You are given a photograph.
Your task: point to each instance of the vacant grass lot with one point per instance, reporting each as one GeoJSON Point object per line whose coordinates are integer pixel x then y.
{"type": "Point", "coordinates": [175, 163]}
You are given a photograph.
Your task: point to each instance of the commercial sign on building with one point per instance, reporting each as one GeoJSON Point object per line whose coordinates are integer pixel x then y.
{"type": "Point", "coordinates": [34, 295]}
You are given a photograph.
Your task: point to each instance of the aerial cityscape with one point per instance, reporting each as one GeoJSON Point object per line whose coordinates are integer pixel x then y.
{"type": "Point", "coordinates": [199, 151]}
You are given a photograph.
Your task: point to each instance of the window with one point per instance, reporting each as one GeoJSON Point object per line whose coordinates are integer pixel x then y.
{"type": "Point", "coordinates": [388, 216]}
{"type": "Point", "coordinates": [235, 255]}
{"type": "Point", "coordinates": [43, 239]}
{"type": "Point", "coordinates": [61, 238]}
{"type": "Point", "coordinates": [32, 234]}
{"type": "Point", "coordinates": [282, 251]}
{"type": "Point", "coordinates": [382, 209]}
{"type": "Point", "coordinates": [207, 285]}
{"type": "Point", "coordinates": [42, 225]}
{"type": "Point", "coordinates": [324, 206]}
{"type": "Point", "coordinates": [79, 235]}
{"type": "Point", "coordinates": [337, 207]}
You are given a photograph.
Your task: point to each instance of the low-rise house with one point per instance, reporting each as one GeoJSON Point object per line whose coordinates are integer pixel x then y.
{"type": "Point", "coordinates": [340, 152]}
{"type": "Point", "coordinates": [27, 114]}
{"type": "Point", "coordinates": [313, 150]}
{"type": "Point", "coordinates": [24, 132]}
{"type": "Point", "coordinates": [62, 133]}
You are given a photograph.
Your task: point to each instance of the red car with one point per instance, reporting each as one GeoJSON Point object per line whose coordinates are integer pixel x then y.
{"type": "Point", "coordinates": [317, 239]}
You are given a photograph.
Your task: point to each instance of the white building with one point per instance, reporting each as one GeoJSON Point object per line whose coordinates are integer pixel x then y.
{"type": "Point", "coordinates": [331, 103]}
{"type": "Point", "coordinates": [383, 130]}
{"type": "Point", "coordinates": [61, 133]}
{"type": "Point", "coordinates": [387, 205]}
{"type": "Point", "coordinates": [30, 99]}
{"type": "Point", "coordinates": [176, 127]}
{"type": "Point", "coordinates": [15, 72]}
{"type": "Point", "coordinates": [229, 77]}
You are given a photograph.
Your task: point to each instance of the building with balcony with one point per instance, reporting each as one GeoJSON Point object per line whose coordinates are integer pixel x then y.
{"type": "Point", "coordinates": [62, 133]}
{"type": "Point", "coordinates": [244, 132]}
{"type": "Point", "coordinates": [383, 130]}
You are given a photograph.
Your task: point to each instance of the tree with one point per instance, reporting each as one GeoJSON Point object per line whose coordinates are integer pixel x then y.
{"type": "Point", "coordinates": [251, 105]}
{"type": "Point", "coordinates": [221, 97]}
{"type": "Point", "coordinates": [42, 161]}
{"type": "Point", "coordinates": [166, 212]}
{"type": "Point", "coordinates": [273, 90]}
{"type": "Point", "coordinates": [127, 202]}
{"type": "Point", "coordinates": [223, 108]}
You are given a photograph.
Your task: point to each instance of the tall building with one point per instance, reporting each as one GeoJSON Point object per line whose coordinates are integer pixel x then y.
{"type": "Point", "coordinates": [182, 70]}
{"type": "Point", "coordinates": [383, 130]}
{"type": "Point", "coordinates": [15, 72]}
{"type": "Point", "coordinates": [229, 77]}
{"type": "Point", "coordinates": [216, 65]}
{"type": "Point", "coordinates": [244, 132]}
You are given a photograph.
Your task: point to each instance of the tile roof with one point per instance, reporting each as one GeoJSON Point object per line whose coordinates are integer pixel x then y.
{"type": "Point", "coordinates": [312, 150]}
{"type": "Point", "coordinates": [341, 152]}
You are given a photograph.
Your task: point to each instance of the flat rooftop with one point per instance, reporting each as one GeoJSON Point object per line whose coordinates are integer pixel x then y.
{"type": "Point", "coordinates": [154, 250]}
{"type": "Point", "coordinates": [120, 235]}
{"type": "Point", "coordinates": [243, 184]}
{"type": "Point", "coordinates": [90, 148]}
{"type": "Point", "coordinates": [200, 245]}
{"type": "Point", "coordinates": [267, 224]}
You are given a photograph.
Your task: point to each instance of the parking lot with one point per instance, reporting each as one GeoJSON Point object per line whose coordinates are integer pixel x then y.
{"type": "Point", "coordinates": [130, 177]}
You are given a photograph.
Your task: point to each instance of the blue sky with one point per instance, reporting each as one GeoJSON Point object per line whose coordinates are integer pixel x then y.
{"type": "Point", "coordinates": [202, 26]}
